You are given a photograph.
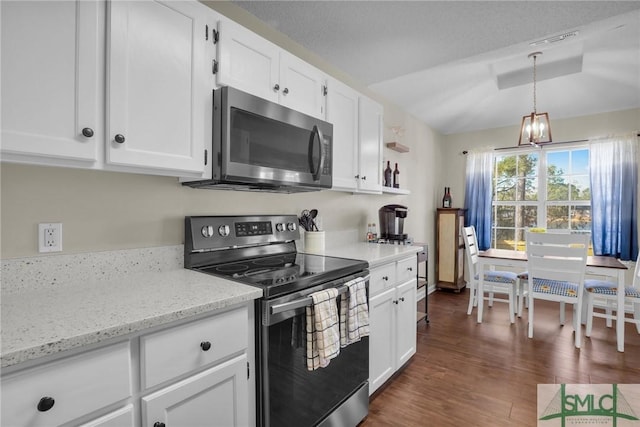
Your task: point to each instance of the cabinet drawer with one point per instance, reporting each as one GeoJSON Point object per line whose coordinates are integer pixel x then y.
{"type": "Point", "coordinates": [407, 269]}
{"type": "Point", "coordinates": [182, 349]}
{"type": "Point", "coordinates": [381, 278]}
{"type": "Point", "coordinates": [78, 386]}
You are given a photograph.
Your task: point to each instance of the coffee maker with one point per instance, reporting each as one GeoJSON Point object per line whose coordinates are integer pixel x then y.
{"type": "Point", "coordinates": [392, 222]}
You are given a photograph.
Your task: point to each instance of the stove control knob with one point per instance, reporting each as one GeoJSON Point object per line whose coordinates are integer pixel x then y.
{"type": "Point", "coordinates": [291, 226]}
{"type": "Point", "coordinates": [280, 227]}
{"type": "Point", "coordinates": [207, 231]}
{"type": "Point", "coordinates": [223, 230]}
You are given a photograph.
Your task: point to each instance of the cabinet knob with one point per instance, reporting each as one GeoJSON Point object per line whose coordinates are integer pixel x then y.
{"type": "Point", "coordinates": [87, 132]}
{"type": "Point", "coordinates": [158, 424]}
{"type": "Point", "coordinates": [119, 138]}
{"type": "Point", "coordinates": [205, 345]}
{"type": "Point", "coordinates": [357, 177]}
{"type": "Point", "coordinates": [410, 268]}
{"type": "Point", "coordinates": [402, 299]}
{"type": "Point", "coordinates": [385, 277]}
{"type": "Point", "coordinates": [286, 90]}
{"type": "Point", "coordinates": [276, 87]}
{"type": "Point", "coordinates": [364, 178]}
{"type": "Point", "coordinates": [45, 404]}
{"type": "Point", "coordinates": [395, 301]}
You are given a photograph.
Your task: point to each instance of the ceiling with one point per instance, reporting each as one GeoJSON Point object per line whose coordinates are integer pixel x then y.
{"type": "Point", "coordinates": [461, 66]}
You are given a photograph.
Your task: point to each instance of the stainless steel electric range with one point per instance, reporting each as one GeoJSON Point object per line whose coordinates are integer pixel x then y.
{"type": "Point", "coordinates": [261, 251]}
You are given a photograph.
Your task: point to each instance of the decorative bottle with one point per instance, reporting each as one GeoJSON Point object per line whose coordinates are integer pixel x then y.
{"type": "Point", "coordinates": [396, 178]}
{"type": "Point", "coordinates": [446, 200]}
{"type": "Point", "coordinates": [387, 175]}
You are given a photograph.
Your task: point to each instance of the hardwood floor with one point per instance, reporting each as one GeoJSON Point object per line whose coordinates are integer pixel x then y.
{"type": "Point", "coordinates": [470, 374]}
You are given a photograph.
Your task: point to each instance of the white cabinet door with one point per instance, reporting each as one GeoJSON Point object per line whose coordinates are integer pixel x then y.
{"type": "Point", "coordinates": [50, 86]}
{"type": "Point", "coordinates": [342, 112]}
{"type": "Point", "coordinates": [120, 418]}
{"type": "Point", "coordinates": [382, 321]}
{"type": "Point", "coordinates": [406, 322]}
{"type": "Point", "coordinates": [216, 397]}
{"type": "Point", "coordinates": [247, 61]}
{"type": "Point", "coordinates": [301, 86]}
{"type": "Point", "coordinates": [156, 85]}
{"type": "Point", "coordinates": [370, 146]}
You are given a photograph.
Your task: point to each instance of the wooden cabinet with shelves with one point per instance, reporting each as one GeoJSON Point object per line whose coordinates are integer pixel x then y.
{"type": "Point", "coordinates": [449, 249]}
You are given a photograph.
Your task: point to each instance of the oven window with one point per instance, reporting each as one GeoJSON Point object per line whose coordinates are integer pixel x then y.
{"type": "Point", "coordinates": [297, 396]}
{"type": "Point", "coordinates": [253, 143]}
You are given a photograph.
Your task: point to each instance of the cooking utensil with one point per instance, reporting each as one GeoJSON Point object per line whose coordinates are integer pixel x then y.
{"type": "Point", "coordinates": [314, 214]}
{"type": "Point", "coordinates": [307, 219]}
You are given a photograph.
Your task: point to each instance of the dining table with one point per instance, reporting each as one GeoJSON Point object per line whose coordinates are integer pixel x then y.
{"type": "Point", "coordinates": [598, 265]}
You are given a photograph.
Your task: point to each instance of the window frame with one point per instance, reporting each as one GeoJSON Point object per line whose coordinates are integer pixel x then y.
{"type": "Point", "coordinates": [542, 204]}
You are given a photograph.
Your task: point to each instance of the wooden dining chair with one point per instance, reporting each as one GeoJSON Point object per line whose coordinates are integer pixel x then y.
{"type": "Point", "coordinates": [556, 266]}
{"type": "Point", "coordinates": [602, 295]}
{"type": "Point", "coordinates": [495, 282]}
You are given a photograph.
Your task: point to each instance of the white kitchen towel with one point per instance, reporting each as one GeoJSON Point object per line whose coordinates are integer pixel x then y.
{"type": "Point", "coordinates": [323, 334]}
{"type": "Point", "coordinates": [354, 313]}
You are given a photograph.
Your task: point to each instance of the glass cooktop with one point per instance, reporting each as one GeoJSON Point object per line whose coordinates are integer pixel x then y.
{"type": "Point", "coordinates": [285, 273]}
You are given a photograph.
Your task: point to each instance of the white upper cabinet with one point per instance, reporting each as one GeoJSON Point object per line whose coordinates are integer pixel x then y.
{"type": "Point", "coordinates": [157, 85]}
{"type": "Point", "coordinates": [123, 85]}
{"type": "Point", "coordinates": [357, 139]}
{"type": "Point", "coordinates": [255, 65]}
{"type": "Point", "coordinates": [342, 111]}
{"type": "Point", "coordinates": [247, 62]}
{"type": "Point", "coordinates": [302, 86]}
{"type": "Point", "coordinates": [370, 146]}
{"type": "Point", "coordinates": [50, 85]}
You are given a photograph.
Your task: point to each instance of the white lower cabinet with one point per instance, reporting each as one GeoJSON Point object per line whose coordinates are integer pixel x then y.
{"type": "Point", "coordinates": [121, 418]}
{"type": "Point", "coordinates": [392, 317]}
{"type": "Point", "coordinates": [61, 391]}
{"type": "Point", "coordinates": [215, 397]}
{"type": "Point", "coordinates": [191, 374]}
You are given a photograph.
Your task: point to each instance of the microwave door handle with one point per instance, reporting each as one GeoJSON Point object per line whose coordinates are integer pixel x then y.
{"type": "Point", "coordinates": [316, 172]}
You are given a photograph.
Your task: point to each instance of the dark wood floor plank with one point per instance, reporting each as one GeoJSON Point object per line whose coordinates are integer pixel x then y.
{"type": "Point", "coordinates": [470, 374]}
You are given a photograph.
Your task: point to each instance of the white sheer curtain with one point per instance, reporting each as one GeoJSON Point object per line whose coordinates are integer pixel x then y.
{"type": "Point", "coordinates": [478, 194]}
{"type": "Point", "coordinates": [614, 196]}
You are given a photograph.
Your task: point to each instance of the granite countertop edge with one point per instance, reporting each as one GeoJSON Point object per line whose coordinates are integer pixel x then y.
{"type": "Point", "coordinates": [138, 302]}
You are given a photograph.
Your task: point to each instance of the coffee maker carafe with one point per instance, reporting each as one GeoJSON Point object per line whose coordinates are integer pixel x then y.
{"type": "Point", "coordinates": [392, 222]}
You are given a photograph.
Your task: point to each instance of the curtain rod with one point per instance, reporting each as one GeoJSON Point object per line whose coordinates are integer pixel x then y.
{"type": "Point", "coordinates": [552, 143]}
{"type": "Point", "coordinates": [529, 146]}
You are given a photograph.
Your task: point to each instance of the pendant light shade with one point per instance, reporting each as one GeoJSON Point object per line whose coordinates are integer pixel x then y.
{"type": "Point", "coordinates": [535, 128]}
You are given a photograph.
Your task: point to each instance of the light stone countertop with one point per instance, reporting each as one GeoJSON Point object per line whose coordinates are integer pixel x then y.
{"type": "Point", "coordinates": [51, 304]}
{"type": "Point", "coordinates": [42, 320]}
{"type": "Point", "coordinates": [375, 254]}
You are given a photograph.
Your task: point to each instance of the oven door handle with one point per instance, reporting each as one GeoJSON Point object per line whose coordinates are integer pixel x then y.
{"type": "Point", "coordinates": [306, 301]}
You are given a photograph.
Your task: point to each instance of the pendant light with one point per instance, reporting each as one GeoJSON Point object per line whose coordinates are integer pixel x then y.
{"type": "Point", "coordinates": [535, 127]}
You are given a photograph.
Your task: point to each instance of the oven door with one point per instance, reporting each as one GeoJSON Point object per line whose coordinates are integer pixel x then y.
{"type": "Point", "coordinates": [291, 395]}
{"type": "Point", "coordinates": [263, 142]}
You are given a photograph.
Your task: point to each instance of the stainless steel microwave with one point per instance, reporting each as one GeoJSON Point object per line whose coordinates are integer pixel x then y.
{"type": "Point", "coordinates": [262, 146]}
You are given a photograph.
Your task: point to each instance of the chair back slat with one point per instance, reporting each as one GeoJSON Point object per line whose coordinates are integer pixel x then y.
{"type": "Point", "coordinates": [561, 257]}
{"type": "Point", "coordinates": [471, 247]}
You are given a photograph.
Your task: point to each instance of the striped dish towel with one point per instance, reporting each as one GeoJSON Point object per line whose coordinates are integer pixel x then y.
{"type": "Point", "coordinates": [354, 313]}
{"type": "Point", "coordinates": [323, 335]}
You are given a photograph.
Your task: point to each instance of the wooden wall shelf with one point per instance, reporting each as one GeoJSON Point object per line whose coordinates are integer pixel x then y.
{"type": "Point", "coordinates": [396, 146]}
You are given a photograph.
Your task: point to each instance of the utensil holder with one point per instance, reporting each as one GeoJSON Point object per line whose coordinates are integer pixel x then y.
{"type": "Point", "coordinates": [314, 241]}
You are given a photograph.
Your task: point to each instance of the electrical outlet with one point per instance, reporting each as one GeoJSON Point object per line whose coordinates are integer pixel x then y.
{"type": "Point", "coordinates": [50, 237]}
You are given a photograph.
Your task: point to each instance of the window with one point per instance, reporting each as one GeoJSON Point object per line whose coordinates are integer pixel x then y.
{"type": "Point", "coordinates": [540, 189]}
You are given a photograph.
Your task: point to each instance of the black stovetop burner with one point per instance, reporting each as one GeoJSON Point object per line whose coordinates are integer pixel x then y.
{"type": "Point", "coordinates": [264, 256]}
